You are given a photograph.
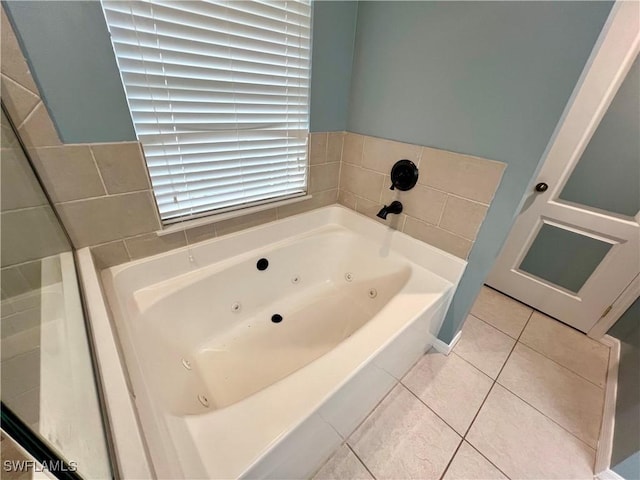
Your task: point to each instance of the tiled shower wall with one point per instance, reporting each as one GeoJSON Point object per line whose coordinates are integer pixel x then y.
{"type": "Point", "coordinates": [445, 208]}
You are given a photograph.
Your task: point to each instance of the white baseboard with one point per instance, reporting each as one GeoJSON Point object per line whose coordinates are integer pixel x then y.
{"type": "Point", "coordinates": [445, 348]}
{"type": "Point", "coordinates": [609, 475]}
{"type": "Point", "coordinates": [605, 442]}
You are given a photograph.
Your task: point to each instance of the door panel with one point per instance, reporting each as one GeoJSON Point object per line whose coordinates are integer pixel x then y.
{"type": "Point", "coordinates": [563, 257]}
{"type": "Point", "coordinates": [576, 244]}
{"type": "Point", "coordinates": [606, 177]}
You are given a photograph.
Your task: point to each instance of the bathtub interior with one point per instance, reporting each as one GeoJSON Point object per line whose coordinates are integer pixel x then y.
{"type": "Point", "coordinates": [172, 361]}
{"type": "Point", "coordinates": [212, 332]}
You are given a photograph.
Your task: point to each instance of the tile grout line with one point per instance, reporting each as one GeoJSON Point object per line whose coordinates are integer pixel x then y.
{"type": "Point", "coordinates": [95, 164]}
{"type": "Point", "coordinates": [546, 416]}
{"type": "Point", "coordinates": [360, 460]}
{"type": "Point", "coordinates": [515, 394]}
{"type": "Point", "coordinates": [480, 453]}
{"type": "Point", "coordinates": [464, 437]}
{"type": "Point", "coordinates": [563, 366]}
{"type": "Point", "coordinates": [518, 340]}
{"type": "Point", "coordinates": [446, 469]}
{"type": "Point", "coordinates": [432, 411]}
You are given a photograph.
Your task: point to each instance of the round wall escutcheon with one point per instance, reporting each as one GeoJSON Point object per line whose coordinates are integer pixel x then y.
{"type": "Point", "coordinates": [404, 175]}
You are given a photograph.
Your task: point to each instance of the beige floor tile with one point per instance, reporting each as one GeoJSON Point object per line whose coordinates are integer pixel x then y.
{"type": "Point", "coordinates": [450, 386]}
{"type": "Point", "coordinates": [523, 443]}
{"type": "Point", "coordinates": [402, 438]}
{"type": "Point", "coordinates": [570, 348]}
{"type": "Point", "coordinates": [484, 346]}
{"type": "Point", "coordinates": [343, 465]}
{"type": "Point", "coordinates": [468, 464]}
{"type": "Point", "coordinates": [504, 313]}
{"type": "Point", "coordinates": [563, 396]}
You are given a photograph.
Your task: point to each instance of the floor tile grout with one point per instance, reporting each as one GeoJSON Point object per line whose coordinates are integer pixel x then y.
{"type": "Point", "coordinates": [494, 381]}
{"type": "Point", "coordinates": [431, 410]}
{"type": "Point", "coordinates": [516, 395]}
{"type": "Point", "coordinates": [360, 460]}
{"type": "Point", "coordinates": [444, 472]}
{"type": "Point", "coordinates": [517, 340]}
{"type": "Point", "coordinates": [558, 363]}
{"type": "Point", "coordinates": [546, 416]}
{"type": "Point", "coordinates": [481, 454]}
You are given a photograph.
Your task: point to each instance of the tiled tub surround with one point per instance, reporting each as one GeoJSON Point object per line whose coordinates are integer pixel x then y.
{"type": "Point", "coordinates": [103, 193]}
{"type": "Point", "coordinates": [445, 208]}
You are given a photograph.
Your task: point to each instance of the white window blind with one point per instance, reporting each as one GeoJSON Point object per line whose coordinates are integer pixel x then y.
{"type": "Point", "coordinates": [219, 97]}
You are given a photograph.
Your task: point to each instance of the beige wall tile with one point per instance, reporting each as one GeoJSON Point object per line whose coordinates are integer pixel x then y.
{"type": "Point", "coordinates": [347, 199]}
{"type": "Point", "coordinates": [103, 219]}
{"type": "Point", "coordinates": [523, 443]}
{"type": "Point", "coordinates": [506, 314]}
{"type": "Point", "coordinates": [352, 148]}
{"type": "Point", "coordinates": [68, 172]}
{"type": "Point", "coordinates": [380, 154]}
{"type": "Point", "coordinates": [470, 177]}
{"type": "Point", "coordinates": [246, 221]}
{"type": "Point", "coordinates": [18, 100]}
{"type": "Point", "coordinates": [421, 202]}
{"type": "Point", "coordinates": [29, 234]}
{"type": "Point", "coordinates": [201, 233]}
{"type": "Point", "coordinates": [318, 200]}
{"type": "Point", "coordinates": [485, 347]}
{"type": "Point", "coordinates": [334, 146]}
{"type": "Point", "coordinates": [570, 348]}
{"type": "Point", "coordinates": [122, 167]}
{"type": "Point", "coordinates": [32, 271]}
{"type": "Point", "coordinates": [317, 148]}
{"type": "Point", "coordinates": [18, 185]}
{"type": "Point", "coordinates": [470, 464]}
{"type": "Point", "coordinates": [324, 177]}
{"type": "Point", "coordinates": [13, 282]}
{"type": "Point", "coordinates": [343, 465]}
{"type": "Point", "coordinates": [402, 438]}
{"type": "Point", "coordinates": [463, 217]}
{"type": "Point", "coordinates": [151, 244]}
{"type": "Point", "coordinates": [450, 386]}
{"type": "Point", "coordinates": [38, 130]}
{"type": "Point", "coordinates": [565, 397]}
{"type": "Point", "coordinates": [110, 254]}
{"type": "Point", "coordinates": [363, 183]}
{"type": "Point", "coordinates": [13, 63]}
{"type": "Point", "coordinates": [437, 237]}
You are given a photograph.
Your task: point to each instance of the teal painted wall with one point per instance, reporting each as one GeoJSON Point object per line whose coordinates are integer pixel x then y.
{"type": "Point", "coordinates": [70, 54]}
{"type": "Point", "coordinates": [625, 455]}
{"type": "Point", "coordinates": [334, 28]}
{"type": "Point", "coordinates": [489, 79]}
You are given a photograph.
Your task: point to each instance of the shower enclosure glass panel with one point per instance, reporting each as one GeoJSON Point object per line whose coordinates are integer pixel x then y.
{"type": "Point", "coordinates": [46, 366]}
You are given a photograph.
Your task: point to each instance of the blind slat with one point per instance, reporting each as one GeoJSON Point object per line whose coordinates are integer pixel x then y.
{"type": "Point", "coordinates": [219, 97]}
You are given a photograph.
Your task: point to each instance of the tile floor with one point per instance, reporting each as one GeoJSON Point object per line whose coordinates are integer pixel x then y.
{"type": "Point", "coordinates": [520, 396]}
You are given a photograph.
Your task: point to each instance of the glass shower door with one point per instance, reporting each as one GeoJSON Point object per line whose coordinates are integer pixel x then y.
{"type": "Point", "coordinates": [47, 384]}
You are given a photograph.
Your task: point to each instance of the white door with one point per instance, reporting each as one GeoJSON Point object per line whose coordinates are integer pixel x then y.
{"type": "Point", "coordinates": [575, 247]}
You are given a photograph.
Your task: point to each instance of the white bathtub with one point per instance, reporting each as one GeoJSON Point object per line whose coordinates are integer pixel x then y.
{"type": "Point", "coordinates": [222, 391]}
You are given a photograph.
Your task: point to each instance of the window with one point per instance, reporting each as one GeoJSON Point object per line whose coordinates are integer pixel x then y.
{"type": "Point", "coordinates": [219, 96]}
